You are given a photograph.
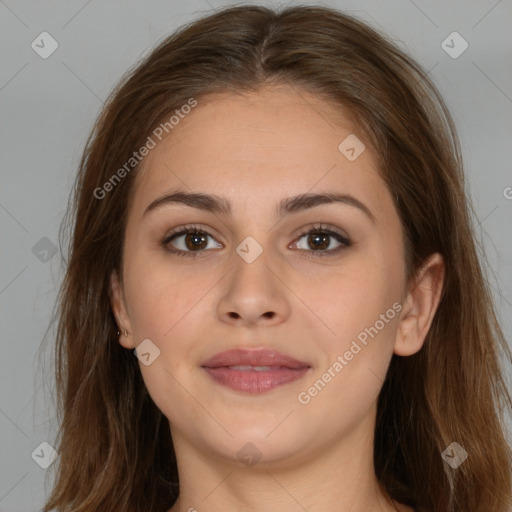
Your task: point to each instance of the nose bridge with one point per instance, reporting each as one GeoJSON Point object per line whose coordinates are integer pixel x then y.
{"type": "Point", "coordinates": [251, 263]}
{"type": "Point", "coordinates": [253, 291]}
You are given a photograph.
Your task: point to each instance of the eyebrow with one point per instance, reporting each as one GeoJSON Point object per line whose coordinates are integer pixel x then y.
{"type": "Point", "coordinates": [220, 205]}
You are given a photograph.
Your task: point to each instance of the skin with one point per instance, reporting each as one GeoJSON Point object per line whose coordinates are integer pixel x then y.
{"type": "Point", "coordinates": [254, 149]}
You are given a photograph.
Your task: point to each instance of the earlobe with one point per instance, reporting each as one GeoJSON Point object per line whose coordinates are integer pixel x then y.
{"type": "Point", "coordinates": [117, 303]}
{"type": "Point", "coordinates": [420, 306]}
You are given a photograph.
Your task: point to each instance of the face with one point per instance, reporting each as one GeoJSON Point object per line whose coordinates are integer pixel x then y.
{"type": "Point", "coordinates": [321, 282]}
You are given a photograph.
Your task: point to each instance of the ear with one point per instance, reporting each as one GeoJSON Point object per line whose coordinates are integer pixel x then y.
{"type": "Point", "coordinates": [120, 311]}
{"type": "Point", "coordinates": [420, 306]}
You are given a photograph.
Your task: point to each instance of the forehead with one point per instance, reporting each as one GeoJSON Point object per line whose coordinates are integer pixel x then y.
{"type": "Point", "coordinates": [258, 147]}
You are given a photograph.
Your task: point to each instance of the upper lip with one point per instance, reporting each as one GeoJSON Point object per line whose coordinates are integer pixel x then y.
{"type": "Point", "coordinates": [254, 357]}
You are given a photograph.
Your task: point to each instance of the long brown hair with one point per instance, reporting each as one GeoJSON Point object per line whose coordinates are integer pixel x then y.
{"type": "Point", "coordinates": [115, 445]}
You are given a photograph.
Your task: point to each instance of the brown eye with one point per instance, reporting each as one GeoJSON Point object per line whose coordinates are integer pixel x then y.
{"type": "Point", "coordinates": [195, 241]}
{"type": "Point", "coordinates": [319, 239]}
{"type": "Point", "coordinates": [189, 241]}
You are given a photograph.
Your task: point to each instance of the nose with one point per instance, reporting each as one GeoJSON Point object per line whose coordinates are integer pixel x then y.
{"type": "Point", "coordinates": [253, 294]}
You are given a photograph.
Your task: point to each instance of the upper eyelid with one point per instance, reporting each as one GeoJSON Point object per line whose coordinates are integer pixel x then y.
{"type": "Point", "coordinates": [208, 230]}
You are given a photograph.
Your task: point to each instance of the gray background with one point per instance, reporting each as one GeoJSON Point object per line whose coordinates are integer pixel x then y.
{"type": "Point", "coordinates": [49, 105]}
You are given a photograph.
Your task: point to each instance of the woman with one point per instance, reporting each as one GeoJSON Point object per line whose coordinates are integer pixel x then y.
{"type": "Point", "coordinates": [270, 214]}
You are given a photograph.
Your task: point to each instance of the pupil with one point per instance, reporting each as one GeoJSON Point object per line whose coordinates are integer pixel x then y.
{"type": "Point", "coordinates": [196, 237]}
{"type": "Point", "coordinates": [313, 238]}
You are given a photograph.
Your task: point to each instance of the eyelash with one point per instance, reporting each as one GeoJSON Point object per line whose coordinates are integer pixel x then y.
{"type": "Point", "coordinates": [317, 229]}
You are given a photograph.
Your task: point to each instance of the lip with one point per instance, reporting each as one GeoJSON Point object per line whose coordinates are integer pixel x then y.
{"type": "Point", "coordinates": [282, 369]}
{"type": "Point", "coordinates": [255, 357]}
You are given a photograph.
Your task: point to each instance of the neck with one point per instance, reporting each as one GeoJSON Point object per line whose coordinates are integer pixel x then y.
{"type": "Point", "coordinates": [340, 478]}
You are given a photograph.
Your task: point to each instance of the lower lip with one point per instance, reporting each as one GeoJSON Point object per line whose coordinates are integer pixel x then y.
{"type": "Point", "coordinates": [252, 381]}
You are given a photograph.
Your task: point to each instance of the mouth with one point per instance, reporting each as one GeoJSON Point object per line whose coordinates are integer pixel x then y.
{"type": "Point", "coordinates": [254, 371]}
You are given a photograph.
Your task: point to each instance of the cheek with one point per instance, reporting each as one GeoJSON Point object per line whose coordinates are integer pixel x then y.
{"type": "Point", "coordinates": [161, 295]}
{"type": "Point", "coordinates": [164, 307]}
{"type": "Point", "coordinates": [355, 359]}
{"type": "Point", "coordinates": [361, 308]}
{"type": "Point", "coordinates": [349, 300]}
